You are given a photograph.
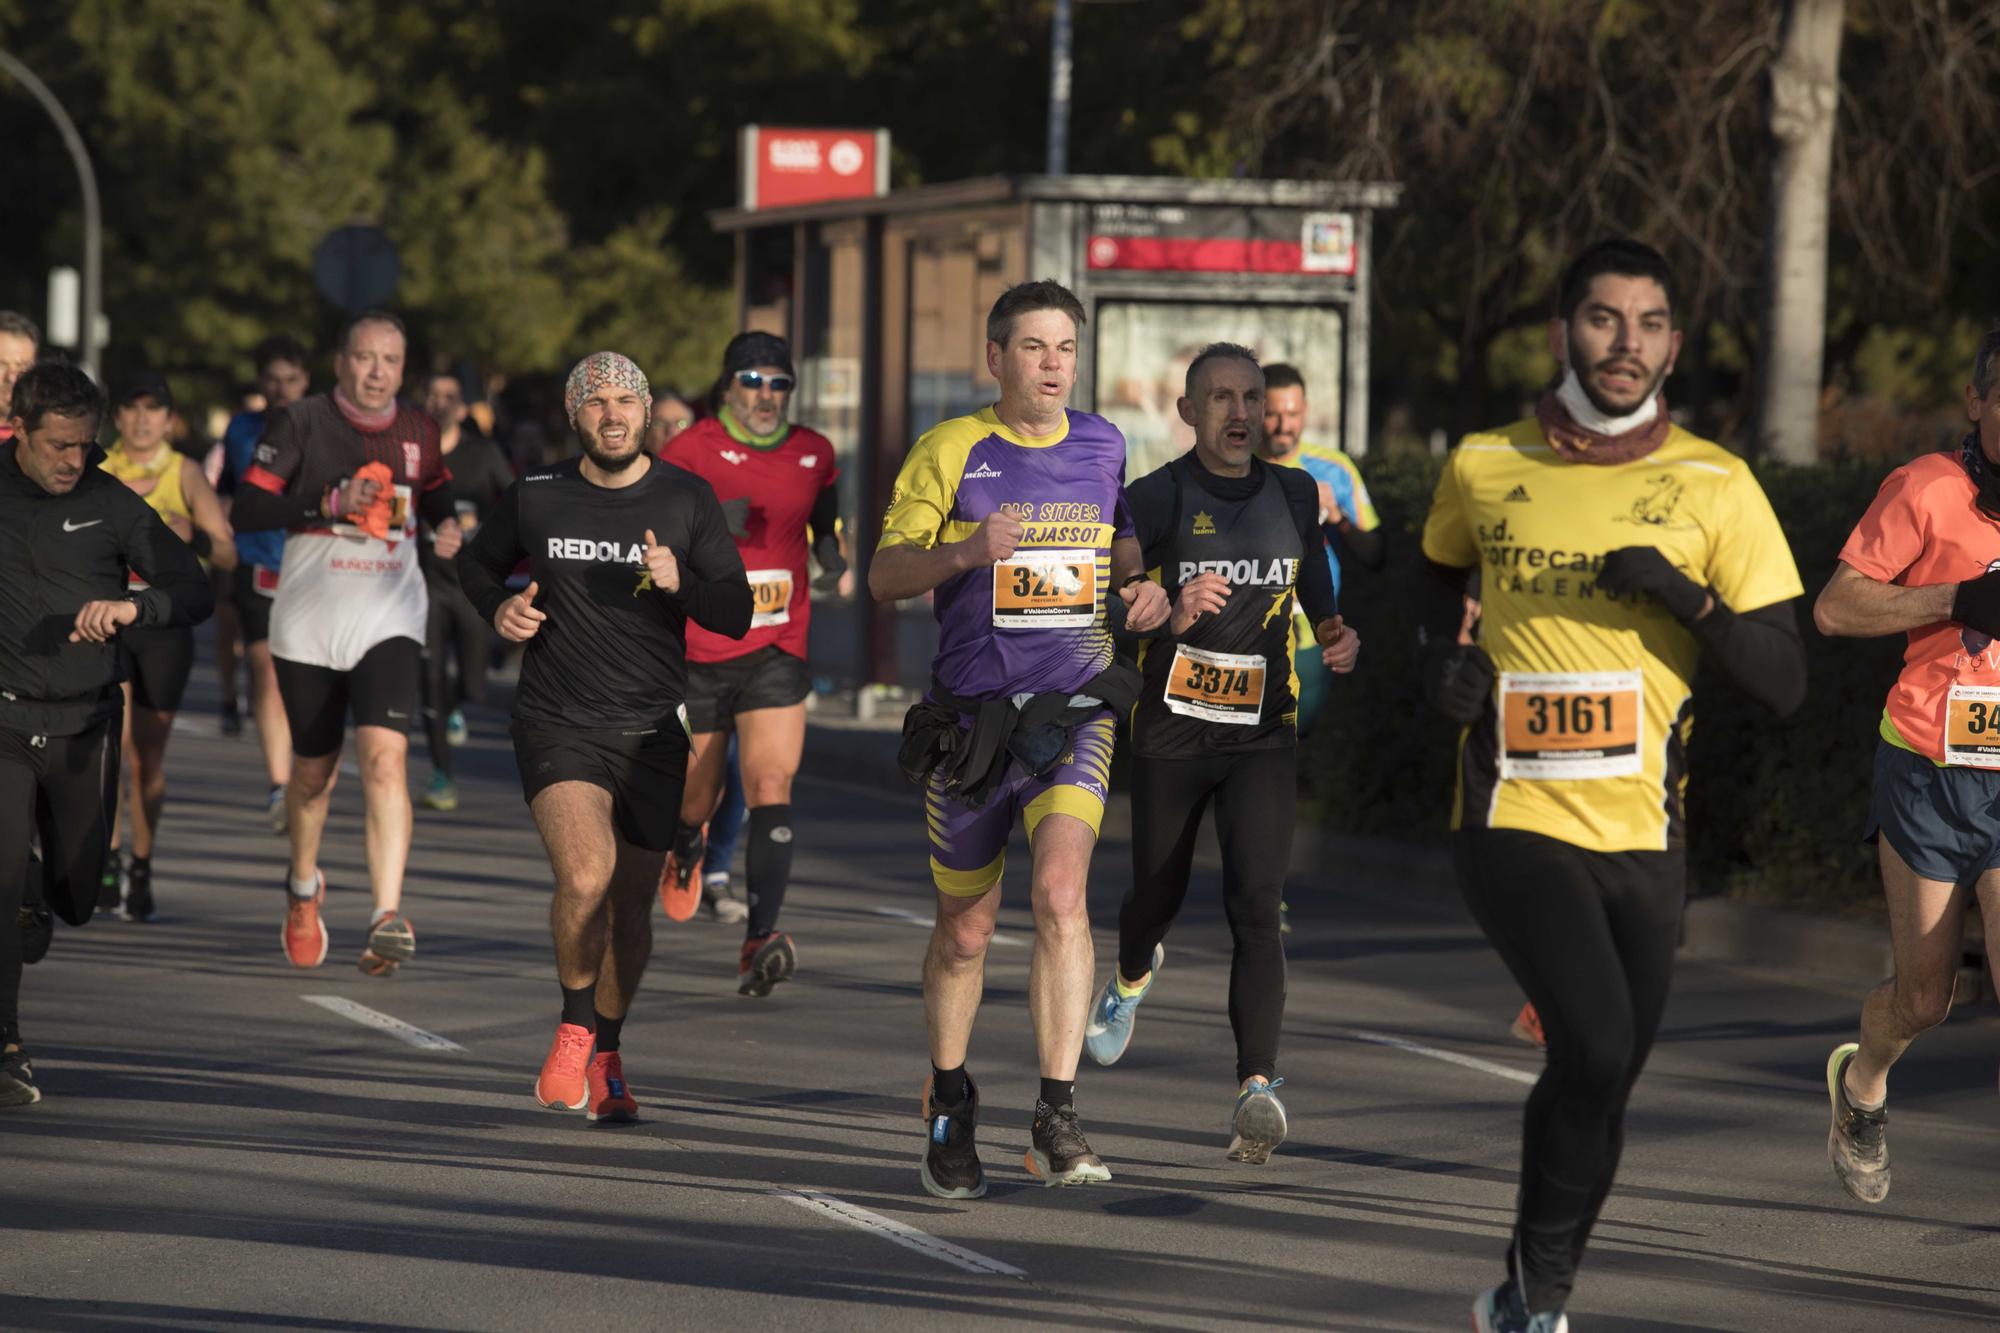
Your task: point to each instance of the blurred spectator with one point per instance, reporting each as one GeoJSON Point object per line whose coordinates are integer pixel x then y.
{"type": "Point", "coordinates": [20, 345]}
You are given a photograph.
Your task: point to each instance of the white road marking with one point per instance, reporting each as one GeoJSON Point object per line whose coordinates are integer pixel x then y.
{"type": "Point", "coordinates": [919, 919]}
{"type": "Point", "coordinates": [899, 1234]}
{"type": "Point", "coordinates": [373, 1018]}
{"type": "Point", "coordinates": [1449, 1057]}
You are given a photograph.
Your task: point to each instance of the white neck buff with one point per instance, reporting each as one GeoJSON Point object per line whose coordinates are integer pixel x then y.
{"type": "Point", "coordinates": [1585, 414]}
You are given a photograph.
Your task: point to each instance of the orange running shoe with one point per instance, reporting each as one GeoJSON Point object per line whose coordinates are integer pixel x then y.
{"type": "Point", "coordinates": [392, 941]}
{"type": "Point", "coordinates": [766, 961]}
{"type": "Point", "coordinates": [304, 935]}
{"type": "Point", "coordinates": [562, 1083]}
{"type": "Point", "coordinates": [610, 1099]}
{"type": "Point", "coordinates": [680, 885]}
{"type": "Point", "coordinates": [1528, 1027]}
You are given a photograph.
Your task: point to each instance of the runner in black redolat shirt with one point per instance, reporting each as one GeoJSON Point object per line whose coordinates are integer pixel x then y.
{"type": "Point", "coordinates": [349, 473]}
{"type": "Point", "coordinates": [624, 551]}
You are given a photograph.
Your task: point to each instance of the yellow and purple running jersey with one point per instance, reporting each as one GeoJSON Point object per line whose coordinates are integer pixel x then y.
{"type": "Point", "coordinates": [1033, 623]}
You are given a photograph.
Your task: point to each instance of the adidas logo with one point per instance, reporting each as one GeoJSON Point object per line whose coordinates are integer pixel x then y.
{"type": "Point", "coordinates": [982, 471]}
{"type": "Point", "coordinates": [1519, 493]}
{"type": "Point", "coordinates": [1204, 526]}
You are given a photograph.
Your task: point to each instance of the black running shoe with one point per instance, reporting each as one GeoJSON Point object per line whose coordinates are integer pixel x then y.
{"type": "Point", "coordinates": [111, 888]}
{"type": "Point", "coordinates": [139, 892]}
{"type": "Point", "coordinates": [951, 1159]}
{"type": "Point", "coordinates": [38, 928]}
{"type": "Point", "coordinates": [1858, 1142]}
{"type": "Point", "coordinates": [232, 722]}
{"type": "Point", "coordinates": [1061, 1155]}
{"type": "Point", "coordinates": [17, 1080]}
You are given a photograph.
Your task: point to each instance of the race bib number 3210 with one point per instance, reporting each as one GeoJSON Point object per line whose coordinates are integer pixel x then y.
{"type": "Point", "coordinates": [1587, 724]}
{"type": "Point", "coordinates": [1045, 589]}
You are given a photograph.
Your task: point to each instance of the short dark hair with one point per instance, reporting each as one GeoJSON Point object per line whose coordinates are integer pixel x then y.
{"type": "Point", "coordinates": [1219, 352]}
{"type": "Point", "coordinates": [56, 388]}
{"type": "Point", "coordinates": [434, 376]}
{"type": "Point", "coordinates": [371, 317]}
{"type": "Point", "coordinates": [1283, 375]}
{"type": "Point", "coordinates": [1024, 298]}
{"type": "Point", "coordinates": [1986, 362]}
{"type": "Point", "coordinates": [1621, 255]}
{"type": "Point", "coordinates": [11, 322]}
{"type": "Point", "coordinates": [280, 347]}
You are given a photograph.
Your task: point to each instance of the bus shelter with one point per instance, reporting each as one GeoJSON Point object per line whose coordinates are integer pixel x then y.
{"type": "Point", "coordinates": [884, 300]}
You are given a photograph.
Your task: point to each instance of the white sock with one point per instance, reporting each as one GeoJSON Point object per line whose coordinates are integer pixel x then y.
{"type": "Point", "coordinates": [307, 887]}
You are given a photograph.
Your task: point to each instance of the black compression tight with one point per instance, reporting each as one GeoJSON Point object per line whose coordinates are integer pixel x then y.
{"type": "Point", "coordinates": [455, 630]}
{"type": "Point", "coordinates": [1590, 937]}
{"type": "Point", "coordinates": [1254, 794]}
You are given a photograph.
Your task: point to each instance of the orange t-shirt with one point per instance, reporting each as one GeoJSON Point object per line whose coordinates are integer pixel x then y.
{"type": "Point", "coordinates": [1924, 529]}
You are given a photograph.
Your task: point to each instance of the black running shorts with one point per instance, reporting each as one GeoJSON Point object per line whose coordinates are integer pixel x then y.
{"type": "Point", "coordinates": [644, 771]}
{"type": "Point", "coordinates": [1941, 821]}
{"type": "Point", "coordinates": [381, 691]}
{"type": "Point", "coordinates": [770, 677]}
{"type": "Point", "coordinates": [254, 588]}
{"type": "Point", "coordinates": [158, 662]}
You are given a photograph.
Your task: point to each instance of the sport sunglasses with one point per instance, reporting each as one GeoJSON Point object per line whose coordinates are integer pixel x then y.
{"type": "Point", "coordinates": [752, 379]}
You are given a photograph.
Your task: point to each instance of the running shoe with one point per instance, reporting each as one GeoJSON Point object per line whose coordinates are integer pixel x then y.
{"type": "Point", "coordinates": [274, 809]}
{"type": "Point", "coordinates": [1059, 1154]}
{"type": "Point", "coordinates": [38, 931]}
{"type": "Point", "coordinates": [1527, 1027]}
{"type": "Point", "coordinates": [951, 1167]}
{"type": "Point", "coordinates": [610, 1099]}
{"type": "Point", "coordinates": [17, 1080]}
{"type": "Point", "coordinates": [456, 733]}
{"type": "Point", "coordinates": [391, 943]}
{"type": "Point", "coordinates": [717, 903]}
{"type": "Point", "coordinates": [1500, 1310]}
{"type": "Point", "coordinates": [766, 961]}
{"type": "Point", "coordinates": [1109, 1030]}
{"type": "Point", "coordinates": [564, 1082]}
{"type": "Point", "coordinates": [232, 721]}
{"type": "Point", "coordinates": [442, 794]}
{"type": "Point", "coordinates": [1858, 1142]}
{"type": "Point", "coordinates": [139, 905]}
{"type": "Point", "coordinates": [111, 885]}
{"type": "Point", "coordinates": [1284, 917]}
{"type": "Point", "coordinates": [304, 935]}
{"type": "Point", "coordinates": [1259, 1124]}
{"type": "Point", "coordinates": [680, 885]}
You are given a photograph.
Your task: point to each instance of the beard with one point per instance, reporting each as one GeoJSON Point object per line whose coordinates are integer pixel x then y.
{"type": "Point", "coordinates": [1655, 376]}
{"type": "Point", "coordinates": [595, 450]}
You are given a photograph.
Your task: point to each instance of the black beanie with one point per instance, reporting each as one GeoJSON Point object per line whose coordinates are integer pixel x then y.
{"type": "Point", "coordinates": [747, 351]}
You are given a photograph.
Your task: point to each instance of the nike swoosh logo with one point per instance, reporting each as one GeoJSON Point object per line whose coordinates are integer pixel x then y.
{"type": "Point", "coordinates": [79, 527]}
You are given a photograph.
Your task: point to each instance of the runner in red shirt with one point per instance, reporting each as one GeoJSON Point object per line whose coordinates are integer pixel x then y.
{"type": "Point", "coordinates": [776, 483]}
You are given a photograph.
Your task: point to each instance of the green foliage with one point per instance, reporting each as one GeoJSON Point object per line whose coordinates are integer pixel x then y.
{"type": "Point", "coordinates": [1776, 807]}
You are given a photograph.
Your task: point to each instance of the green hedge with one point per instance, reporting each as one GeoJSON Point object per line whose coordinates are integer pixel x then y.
{"type": "Point", "coordinates": [1776, 808]}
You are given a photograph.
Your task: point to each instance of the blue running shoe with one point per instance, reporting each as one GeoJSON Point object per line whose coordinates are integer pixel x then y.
{"type": "Point", "coordinates": [1259, 1124]}
{"type": "Point", "coordinates": [1500, 1310]}
{"type": "Point", "coordinates": [1109, 1030]}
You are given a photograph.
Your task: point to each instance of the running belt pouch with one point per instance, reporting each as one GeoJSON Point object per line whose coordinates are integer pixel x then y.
{"type": "Point", "coordinates": [930, 734]}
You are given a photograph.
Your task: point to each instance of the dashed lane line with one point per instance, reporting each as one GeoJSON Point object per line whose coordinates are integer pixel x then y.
{"type": "Point", "coordinates": [919, 919]}
{"type": "Point", "coordinates": [898, 1233]}
{"type": "Point", "coordinates": [1449, 1057]}
{"type": "Point", "coordinates": [375, 1018]}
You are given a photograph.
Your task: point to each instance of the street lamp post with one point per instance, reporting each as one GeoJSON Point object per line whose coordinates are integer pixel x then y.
{"type": "Point", "coordinates": [93, 223]}
{"type": "Point", "coordinates": [1062, 37]}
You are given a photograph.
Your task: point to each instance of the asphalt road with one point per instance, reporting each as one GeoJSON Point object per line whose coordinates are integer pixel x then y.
{"type": "Point", "coordinates": [217, 1149]}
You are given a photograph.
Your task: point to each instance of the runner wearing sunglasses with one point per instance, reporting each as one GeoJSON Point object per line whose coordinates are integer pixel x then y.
{"type": "Point", "coordinates": [776, 484]}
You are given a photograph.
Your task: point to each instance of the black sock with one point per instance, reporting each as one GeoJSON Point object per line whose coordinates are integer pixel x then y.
{"type": "Point", "coordinates": [607, 1033]}
{"type": "Point", "coordinates": [687, 844]}
{"type": "Point", "coordinates": [1057, 1093]}
{"type": "Point", "coordinates": [949, 1086]}
{"type": "Point", "coordinates": [768, 866]}
{"type": "Point", "coordinates": [580, 1005]}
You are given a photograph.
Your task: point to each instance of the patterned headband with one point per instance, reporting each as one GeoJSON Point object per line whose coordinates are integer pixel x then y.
{"type": "Point", "coordinates": [600, 370]}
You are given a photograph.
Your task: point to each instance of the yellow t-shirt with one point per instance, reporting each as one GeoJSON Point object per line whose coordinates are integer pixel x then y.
{"type": "Point", "coordinates": [163, 471]}
{"type": "Point", "coordinates": [1585, 739]}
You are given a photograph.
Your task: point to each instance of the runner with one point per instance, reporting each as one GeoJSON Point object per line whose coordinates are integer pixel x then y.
{"type": "Point", "coordinates": [1616, 549]}
{"type": "Point", "coordinates": [20, 347]}
{"type": "Point", "coordinates": [672, 414]}
{"type": "Point", "coordinates": [625, 553]}
{"type": "Point", "coordinates": [1925, 560]}
{"type": "Point", "coordinates": [1353, 529]}
{"type": "Point", "coordinates": [349, 473]}
{"type": "Point", "coordinates": [775, 482]}
{"type": "Point", "coordinates": [157, 662]}
{"type": "Point", "coordinates": [1234, 541]}
{"type": "Point", "coordinates": [480, 474]}
{"type": "Point", "coordinates": [70, 537]}
{"type": "Point", "coordinates": [283, 380]}
{"type": "Point", "coordinates": [1015, 518]}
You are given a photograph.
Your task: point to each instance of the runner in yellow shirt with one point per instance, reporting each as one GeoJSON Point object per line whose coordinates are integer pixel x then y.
{"type": "Point", "coordinates": [1613, 549]}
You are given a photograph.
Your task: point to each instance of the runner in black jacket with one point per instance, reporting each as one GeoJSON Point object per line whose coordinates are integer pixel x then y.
{"type": "Point", "coordinates": [71, 534]}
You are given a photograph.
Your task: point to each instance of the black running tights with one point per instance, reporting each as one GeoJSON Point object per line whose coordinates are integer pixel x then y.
{"type": "Point", "coordinates": [1254, 794]}
{"type": "Point", "coordinates": [1590, 937]}
{"type": "Point", "coordinates": [454, 630]}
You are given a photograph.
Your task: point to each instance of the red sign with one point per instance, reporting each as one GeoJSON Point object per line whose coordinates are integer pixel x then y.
{"type": "Point", "coordinates": [1149, 238]}
{"type": "Point", "coordinates": [782, 167]}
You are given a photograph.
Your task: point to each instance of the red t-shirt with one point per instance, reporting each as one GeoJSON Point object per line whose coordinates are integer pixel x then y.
{"type": "Point", "coordinates": [1924, 529]}
{"type": "Point", "coordinates": [782, 482]}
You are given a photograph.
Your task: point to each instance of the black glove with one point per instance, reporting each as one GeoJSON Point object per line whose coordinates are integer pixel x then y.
{"type": "Point", "coordinates": [1976, 605]}
{"type": "Point", "coordinates": [1458, 680]}
{"type": "Point", "coordinates": [736, 514]}
{"type": "Point", "coordinates": [1631, 570]}
{"type": "Point", "coordinates": [832, 564]}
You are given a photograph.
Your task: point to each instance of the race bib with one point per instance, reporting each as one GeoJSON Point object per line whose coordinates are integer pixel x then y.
{"type": "Point", "coordinates": [264, 579]}
{"type": "Point", "coordinates": [1039, 589]}
{"type": "Point", "coordinates": [1216, 687]}
{"type": "Point", "coordinates": [770, 597]}
{"type": "Point", "coordinates": [1972, 726]}
{"type": "Point", "coordinates": [1575, 725]}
